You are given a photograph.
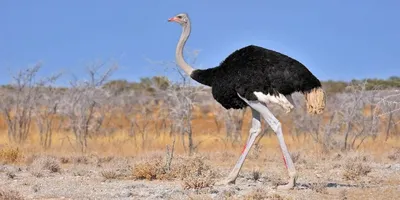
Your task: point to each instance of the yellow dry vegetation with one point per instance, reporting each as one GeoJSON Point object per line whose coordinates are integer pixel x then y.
{"type": "Point", "coordinates": [204, 133]}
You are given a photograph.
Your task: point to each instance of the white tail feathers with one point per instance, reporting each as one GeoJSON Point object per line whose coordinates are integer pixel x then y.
{"type": "Point", "coordinates": [315, 101]}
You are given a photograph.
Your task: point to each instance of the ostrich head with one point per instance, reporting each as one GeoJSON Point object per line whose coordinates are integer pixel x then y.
{"type": "Point", "coordinates": [182, 19]}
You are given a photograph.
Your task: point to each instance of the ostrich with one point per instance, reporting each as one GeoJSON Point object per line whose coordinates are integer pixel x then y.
{"type": "Point", "coordinates": [254, 76]}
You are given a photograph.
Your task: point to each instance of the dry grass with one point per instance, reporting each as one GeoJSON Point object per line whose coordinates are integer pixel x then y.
{"type": "Point", "coordinates": [197, 182]}
{"type": "Point", "coordinates": [256, 174]}
{"type": "Point", "coordinates": [81, 160]}
{"type": "Point", "coordinates": [109, 174]}
{"type": "Point", "coordinates": [354, 170]}
{"type": "Point", "coordinates": [11, 155]}
{"type": "Point", "coordinates": [260, 194]}
{"type": "Point", "coordinates": [150, 170]}
{"type": "Point", "coordinates": [65, 160]}
{"type": "Point", "coordinates": [196, 173]}
{"type": "Point", "coordinates": [204, 129]}
{"type": "Point", "coordinates": [193, 172]}
{"type": "Point", "coordinates": [43, 164]}
{"type": "Point", "coordinates": [193, 177]}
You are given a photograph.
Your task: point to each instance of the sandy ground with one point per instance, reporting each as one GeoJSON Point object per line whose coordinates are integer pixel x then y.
{"type": "Point", "coordinates": [318, 179]}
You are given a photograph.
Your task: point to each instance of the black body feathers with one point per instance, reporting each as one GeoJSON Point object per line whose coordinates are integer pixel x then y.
{"type": "Point", "coordinates": [255, 69]}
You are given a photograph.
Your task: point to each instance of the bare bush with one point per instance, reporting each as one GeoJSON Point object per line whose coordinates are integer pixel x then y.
{"type": "Point", "coordinates": [143, 109]}
{"type": "Point", "coordinates": [194, 167]}
{"type": "Point", "coordinates": [388, 108]}
{"type": "Point", "coordinates": [193, 172]}
{"type": "Point", "coordinates": [256, 174]}
{"type": "Point", "coordinates": [233, 122]}
{"type": "Point", "coordinates": [18, 102]}
{"type": "Point", "coordinates": [313, 125]}
{"type": "Point", "coordinates": [82, 159]}
{"type": "Point", "coordinates": [194, 182]}
{"type": "Point", "coordinates": [180, 98]}
{"type": "Point", "coordinates": [144, 117]}
{"type": "Point", "coordinates": [350, 122]}
{"type": "Point", "coordinates": [358, 124]}
{"type": "Point", "coordinates": [109, 174]}
{"type": "Point", "coordinates": [354, 170]}
{"type": "Point", "coordinates": [81, 101]}
{"type": "Point", "coordinates": [45, 113]}
{"type": "Point", "coordinates": [150, 170]}
{"type": "Point", "coordinates": [44, 164]}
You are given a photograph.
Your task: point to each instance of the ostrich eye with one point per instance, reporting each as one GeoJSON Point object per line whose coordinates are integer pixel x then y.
{"type": "Point", "coordinates": [180, 17]}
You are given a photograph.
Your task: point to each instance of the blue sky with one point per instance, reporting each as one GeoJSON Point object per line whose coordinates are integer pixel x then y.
{"type": "Point", "coordinates": [338, 40]}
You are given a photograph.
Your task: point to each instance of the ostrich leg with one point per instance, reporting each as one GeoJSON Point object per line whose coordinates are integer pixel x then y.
{"type": "Point", "coordinates": [277, 127]}
{"type": "Point", "coordinates": [254, 132]}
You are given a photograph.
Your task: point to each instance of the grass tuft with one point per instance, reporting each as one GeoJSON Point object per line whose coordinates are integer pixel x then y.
{"type": "Point", "coordinates": [10, 155]}
{"type": "Point", "coordinates": [354, 170]}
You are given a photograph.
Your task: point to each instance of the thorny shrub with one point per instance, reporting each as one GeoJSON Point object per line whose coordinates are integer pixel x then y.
{"type": "Point", "coordinates": [109, 174]}
{"type": "Point", "coordinates": [44, 163]}
{"type": "Point", "coordinates": [150, 170]}
{"type": "Point", "coordinates": [353, 170]}
{"type": "Point", "coordinates": [81, 159]}
{"type": "Point", "coordinates": [194, 173]}
{"type": "Point", "coordinates": [256, 174]}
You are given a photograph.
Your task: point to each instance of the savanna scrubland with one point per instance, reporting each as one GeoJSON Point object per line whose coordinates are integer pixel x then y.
{"type": "Point", "coordinates": [100, 138]}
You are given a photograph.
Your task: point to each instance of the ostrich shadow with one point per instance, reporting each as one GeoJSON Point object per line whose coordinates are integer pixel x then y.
{"type": "Point", "coordinates": [303, 186]}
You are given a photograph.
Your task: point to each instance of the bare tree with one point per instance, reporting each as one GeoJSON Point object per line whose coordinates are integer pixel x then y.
{"type": "Point", "coordinates": [356, 122]}
{"type": "Point", "coordinates": [180, 98]}
{"type": "Point", "coordinates": [128, 103]}
{"type": "Point", "coordinates": [18, 102]}
{"type": "Point", "coordinates": [45, 110]}
{"type": "Point", "coordinates": [81, 101]}
{"type": "Point", "coordinates": [350, 121]}
{"type": "Point", "coordinates": [142, 122]}
{"type": "Point", "coordinates": [233, 121]}
{"type": "Point", "coordinates": [389, 108]}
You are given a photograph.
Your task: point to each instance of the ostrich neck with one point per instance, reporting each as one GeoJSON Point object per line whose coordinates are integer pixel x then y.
{"type": "Point", "coordinates": [179, 50]}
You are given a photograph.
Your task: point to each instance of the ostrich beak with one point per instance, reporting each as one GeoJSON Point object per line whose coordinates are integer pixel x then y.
{"type": "Point", "coordinates": [172, 19]}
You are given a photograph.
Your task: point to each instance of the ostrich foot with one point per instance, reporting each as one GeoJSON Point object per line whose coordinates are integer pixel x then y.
{"type": "Point", "coordinates": [289, 186]}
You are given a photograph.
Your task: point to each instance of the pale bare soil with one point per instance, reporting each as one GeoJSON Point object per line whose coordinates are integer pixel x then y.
{"type": "Point", "coordinates": [327, 176]}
